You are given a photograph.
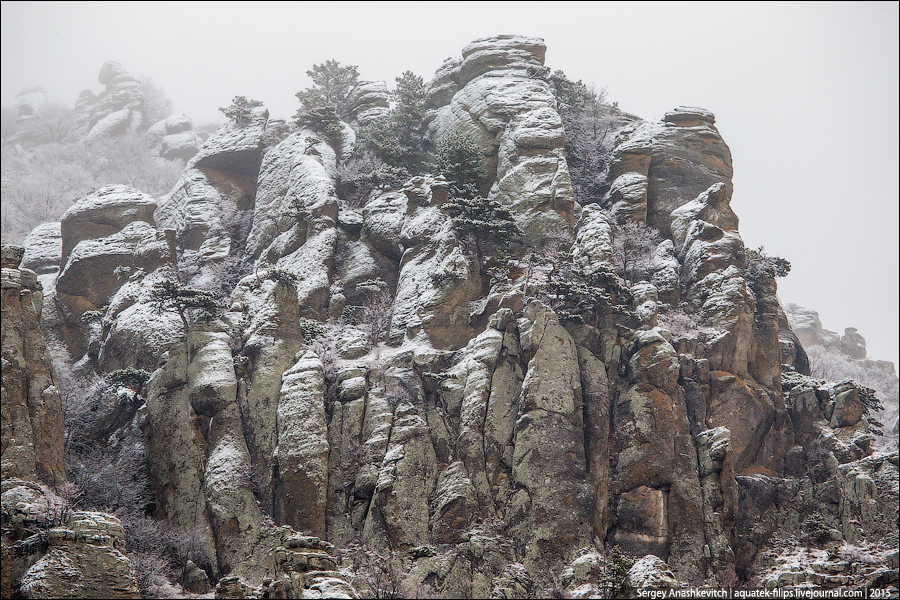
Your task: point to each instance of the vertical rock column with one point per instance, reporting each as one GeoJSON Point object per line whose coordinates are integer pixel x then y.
{"type": "Point", "coordinates": [32, 416]}
{"type": "Point", "coordinates": [551, 512]}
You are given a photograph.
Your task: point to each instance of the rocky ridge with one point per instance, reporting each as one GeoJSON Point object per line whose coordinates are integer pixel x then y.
{"type": "Point", "coordinates": [492, 444]}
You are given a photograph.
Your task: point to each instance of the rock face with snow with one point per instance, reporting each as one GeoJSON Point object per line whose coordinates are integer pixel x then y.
{"type": "Point", "coordinates": [492, 95]}
{"type": "Point", "coordinates": [116, 110]}
{"type": "Point", "coordinates": [32, 407]}
{"type": "Point", "coordinates": [85, 559]}
{"type": "Point", "coordinates": [175, 138]}
{"type": "Point", "coordinates": [112, 254]}
{"type": "Point", "coordinates": [367, 101]}
{"type": "Point", "coordinates": [369, 389]}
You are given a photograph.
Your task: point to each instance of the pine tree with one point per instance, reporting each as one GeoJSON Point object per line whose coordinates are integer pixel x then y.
{"type": "Point", "coordinates": [241, 110]}
{"type": "Point", "coordinates": [173, 296]}
{"type": "Point", "coordinates": [482, 222]}
{"type": "Point", "coordinates": [331, 84]}
{"type": "Point", "coordinates": [460, 160]}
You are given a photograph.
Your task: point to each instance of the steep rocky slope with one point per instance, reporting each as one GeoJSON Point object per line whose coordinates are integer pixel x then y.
{"type": "Point", "coordinates": [501, 438]}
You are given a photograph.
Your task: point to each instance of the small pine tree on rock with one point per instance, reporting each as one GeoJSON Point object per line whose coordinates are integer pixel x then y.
{"type": "Point", "coordinates": [324, 120]}
{"type": "Point", "coordinates": [460, 160]}
{"type": "Point", "coordinates": [169, 295]}
{"type": "Point", "coordinates": [482, 224]}
{"type": "Point", "coordinates": [241, 110]}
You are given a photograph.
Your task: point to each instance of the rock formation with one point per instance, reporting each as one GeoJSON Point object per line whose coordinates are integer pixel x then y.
{"type": "Point", "coordinates": [367, 381]}
{"type": "Point", "coordinates": [85, 559]}
{"type": "Point", "coordinates": [32, 407]}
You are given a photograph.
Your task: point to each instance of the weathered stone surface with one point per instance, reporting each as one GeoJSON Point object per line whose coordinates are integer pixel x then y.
{"type": "Point", "coordinates": [383, 221]}
{"type": "Point", "coordinates": [649, 573]}
{"type": "Point", "coordinates": [426, 310]}
{"type": "Point", "coordinates": [294, 223]}
{"type": "Point", "coordinates": [85, 559]}
{"type": "Point", "coordinates": [235, 148]}
{"type": "Point", "coordinates": [407, 475]}
{"type": "Point", "coordinates": [512, 115]}
{"type": "Point", "coordinates": [32, 422]}
{"type": "Point", "coordinates": [367, 101]}
{"type": "Point", "coordinates": [705, 233]}
{"type": "Point", "coordinates": [490, 449]}
{"type": "Point", "coordinates": [301, 455]}
{"type": "Point", "coordinates": [43, 249]}
{"type": "Point", "coordinates": [103, 213]}
{"type": "Point", "coordinates": [593, 247]}
{"type": "Point", "coordinates": [552, 511]}
{"type": "Point", "coordinates": [853, 344]}
{"type": "Point", "coordinates": [118, 109]}
{"type": "Point", "coordinates": [808, 327]}
{"type": "Point", "coordinates": [195, 424]}
{"type": "Point", "coordinates": [174, 138]}
{"type": "Point", "coordinates": [688, 157]}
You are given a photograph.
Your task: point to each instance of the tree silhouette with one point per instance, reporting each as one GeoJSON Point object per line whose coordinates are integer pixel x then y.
{"type": "Point", "coordinates": [169, 295]}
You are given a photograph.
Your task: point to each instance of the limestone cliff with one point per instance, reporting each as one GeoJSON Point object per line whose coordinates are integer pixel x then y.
{"type": "Point", "coordinates": [368, 382]}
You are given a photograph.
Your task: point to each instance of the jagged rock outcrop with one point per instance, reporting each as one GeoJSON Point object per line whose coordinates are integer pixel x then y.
{"type": "Point", "coordinates": [367, 101]}
{"type": "Point", "coordinates": [837, 357]}
{"type": "Point", "coordinates": [117, 110]}
{"type": "Point", "coordinates": [32, 426]}
{"type": "Point", "coordinates": [493, 95]}
{"type": "Point", "coordinates": [808, 327]}
{"type": "Point", "coordinates": [175, 138]}
{"type": "Point", "coordinates": [195, 430]}
{"type": "Point", "coordinates": [369, 384]}
{"type": "Point", "coordinates": [657, 167]}
{"type": "Point", "coordinates": [85, 559]}
{"type": "Point", "coordinates": [112, 254]}
{"type": "Point", "coordinates": [430, 310]}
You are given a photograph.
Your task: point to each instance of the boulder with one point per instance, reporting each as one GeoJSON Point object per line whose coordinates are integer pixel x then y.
{"type": "Point", "coordinates": [85, 559]}
{"type": "Point", "coordinates": [367, 101]}
{"type": "Point", "coordinates": [119, 109]}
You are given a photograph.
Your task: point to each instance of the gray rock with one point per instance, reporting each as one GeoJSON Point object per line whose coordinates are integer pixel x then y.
{"type": "Point", "coordinates": [512, 115]}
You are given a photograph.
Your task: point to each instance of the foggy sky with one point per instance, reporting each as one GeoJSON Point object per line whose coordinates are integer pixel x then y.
{"type": "Point", "coordinates": [805, 95]}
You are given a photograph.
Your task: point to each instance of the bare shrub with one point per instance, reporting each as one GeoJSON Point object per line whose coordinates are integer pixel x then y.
{"type": "Point", "coordinates": [40, 186]}
{"type": "Point", "coordinates": [111, 479]}
{"type": "Point", "coordinates": [152, 573]}
{"type": "Point", "coordinates": [376, 315]}
{"type": "Point", "coordinates": [682, 324]}
{"type": "Point", "coordinates": [380, 577]}
{"type": "Point", "coordinates": [634, 244]}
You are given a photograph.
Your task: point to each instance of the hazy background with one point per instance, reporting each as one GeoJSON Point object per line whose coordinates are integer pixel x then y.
{"type": "Point", "coordinates": [805, 94]}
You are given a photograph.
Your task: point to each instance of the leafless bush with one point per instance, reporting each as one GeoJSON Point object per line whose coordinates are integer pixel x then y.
{"type": "Point", "coordinates": [41, 188]}
{"type": "Point", "coordinates": [376, 315]}
{"type": "Point", "coordinates": [44, 183]}
{"type": "Point", "coordinates": [381, 577]}
{"type": "Point", "coordinates": [165, 550]}
{"type": "Point", "coordinates": [683, 324]}
{"type": "Point", "coordinates": [634, 244]}
{"type": "Point", "coordinates": [111, 479]}
{"type": "Point", "coordinates": [152, 573]}
{"type": "Point", "coordinates": [80, 395]}
{"type": "Point", "coordinates": [53, 509]}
